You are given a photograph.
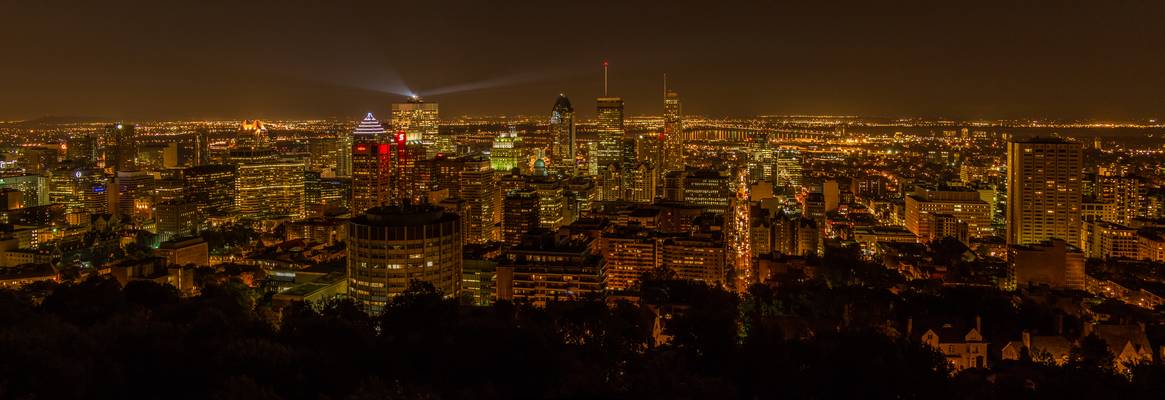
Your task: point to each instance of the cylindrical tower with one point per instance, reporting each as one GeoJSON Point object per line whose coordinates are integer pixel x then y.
{"type": "Point", "coordinates": [392, 245]}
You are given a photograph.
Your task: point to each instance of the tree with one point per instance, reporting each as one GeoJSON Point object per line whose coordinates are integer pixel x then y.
{"type": "Point", "coordinates": [1092, 354]}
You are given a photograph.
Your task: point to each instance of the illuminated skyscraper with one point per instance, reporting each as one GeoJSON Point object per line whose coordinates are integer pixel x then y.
{"type": "Point", "coordinates": [483, 202]}
{"type": "Point", "coordinates": [521, 214]}
{"type": "Point", "coordinates": [211, 188]}
{"type": "Point", "coordinates": [551, 200]}
{"type": "Point", "coordinates": [562, 152]}
{"type": "Point", "coordinates": [371, 166]}
{"type": "Point", "coordinates": [176, 219]}
{"type": "Point", "coordinates": [390, 246]}
{"type": "Point", "coordinates": [82, 149]}
{"type": "Point", "coordinates": [788, 174]}
{"type": "Point", "coordinates": [81, 190]}
{"type": "Point", "coordinates": [1044, 190]}
{"type": "Point", "coordinates": [420, 122]}
{"type": "Point", "coordinates": [673, 132]}
{"type": "Point", "coordinates": [506, 152]}
{"type": "Point", "coordinates": [709, 189]}
{"type": "Point", "coordinates": [371, 175]}
{"type": "Point", "coordinates": [610, 130]}
{"type": "Point", "coordinates": [368, 130]}
{"type": "Point", "coordinates": [34, 189]}
{"type": "Point", "coordinates": [201, 147]}
{"type": "Point", "coordinates": [134, 194]}
{"type": "Point", "coordinates": [121, 147]}
{"type": "Point", "coordinates": [270, 188]}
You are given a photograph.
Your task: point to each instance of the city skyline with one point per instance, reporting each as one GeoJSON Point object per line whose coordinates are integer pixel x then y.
{"type": "Point", "coordinates": [613, 200]}
{"type": "Point", "coordinates": [141, 61]}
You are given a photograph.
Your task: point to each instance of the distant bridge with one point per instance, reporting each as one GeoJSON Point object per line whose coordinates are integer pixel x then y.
{"type": "Point", "coordinates": [709, 133]}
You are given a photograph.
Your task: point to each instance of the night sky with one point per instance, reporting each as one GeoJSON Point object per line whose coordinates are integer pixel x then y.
{"type": "Point", "coordinates": [276, 59]}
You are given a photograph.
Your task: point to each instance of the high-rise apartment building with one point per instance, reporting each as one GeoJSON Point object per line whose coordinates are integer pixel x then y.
{"type": "Point", "coordinates": [1044, 190]}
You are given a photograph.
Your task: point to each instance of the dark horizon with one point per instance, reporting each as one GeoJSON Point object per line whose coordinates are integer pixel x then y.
{"type": "Point", "coordinates": [147, 61]}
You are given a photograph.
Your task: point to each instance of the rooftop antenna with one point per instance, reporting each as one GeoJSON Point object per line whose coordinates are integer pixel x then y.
{"type": "Point", "coordinates": [604, 78]}
{"type": "Point", "coordinates": [665, 84]}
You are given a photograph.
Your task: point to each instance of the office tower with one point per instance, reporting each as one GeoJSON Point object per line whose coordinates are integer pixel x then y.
{"type": "Point", "coordinates": [788, 174]}
{"type": "Point", "coordinates": [367, 130]}
{"type": "Point", "coordinates": [963, 205]}
{"type": "Point", "coordinates": [312, 191]}
{"type": "Point", "coordinates": [650, 149]}
{"type": "Point", "coordinates": [709, 189]}
{"type": "Point", "coordinates": [211, 188]}
{"type": "Point", "coordinates": [370, 166]}
{"type": "Point", "coordinates": [121, 147]}
{"type": "Point", "coordinates": [562, 152]}
{"type": "Point", "coordinates": [252, 134]}
{"type": "Point", "coordinates": [344, 144]}
{"type": "Point", "coordinates": [134, 196]}
{"type": "Point", "coordinates": [640, 182]}
{"type": "Point", "coordinates": [521, 214]}
{"type": "Point", "coordinates": [1043, 190]}
{"type": "Point", "coordinates": [610, 127]}
{"type": "Point", "coordinates": [34, 189]}
{"type": "Point", "coordinates": [673, 131]}
{"type": "Point", "coordinates": [609, 183]}
{"type": "Point", "coordinates": [409, 185]}
{"type": "Point", "coordinates": [1052, 262]}
{"type": "Point", "coordinates": [176, 219]}
{"type": "Point", "coordinates": [270, 188]}
{"type": "Point", "coordinates": [551, 201]}
{"type": "Point", "coordinates": [392, 245]}
{"type": "Point", "coordinates": [372, 172]}
{"type": "Point", "coordinates": [82, 149]}
{"type": "Point", "coordinates": [336, 192]}
{"type": "Point", "coordinates": [420, 122]}
{"type": "Point", "coordinates": [761, 157]}
{"type": "Point", "coordinates": [832, 192]}
{"type": "Point", "coordinates": [81, 190]}
{"type": "Point", "coordinates": [478, 187]}
{"type": "Point", "coordinates": [506, 152]}
{"type": "Point", "coordinates": [201, 147]}
{"type": "Point", "coordinates": [610, 131]}
{"type": "Point", "coordinates": [168, 185]}
{"type": "Point", "coordinates": [580, 194]}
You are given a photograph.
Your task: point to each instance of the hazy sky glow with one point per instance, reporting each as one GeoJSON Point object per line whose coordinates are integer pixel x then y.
{"type": "Point", "coordinates": [273, 59]}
